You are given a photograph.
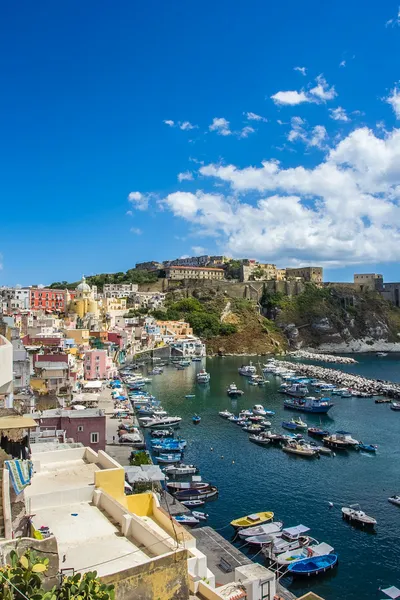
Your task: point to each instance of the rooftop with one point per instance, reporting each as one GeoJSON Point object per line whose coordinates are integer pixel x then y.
{"type": "Point", "coordinates": [72, 414]}
{"type": "Point", "coordinates": [195, 268]}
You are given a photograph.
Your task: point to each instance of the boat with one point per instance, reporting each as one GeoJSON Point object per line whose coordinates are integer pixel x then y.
{"type": "Point", "coordinates": [151, 412]}
{"type": "Point", "coordinates": [354, 514]}
{"type": "Point", "coordinates": [266, 529]}
{"type": "Point", "coordinates": [383, 401]}
{"type": "Point", "coordinates": [300, 449]}
{"type": "Point", "coordinates": [162, 433]}
{"type": "Point", "coordinates": [395, 499]}
{"type": "Point", "coordinates": [395, 406]}
{"type": "Point", "coordinates": [190, 396]}
{"type": "Point", "coordinates": [225, 414]}
{"type": "Point", "coordinates": [259, 410]}
{"type": "Point", "coordinates": [318, 432]}
{"type": "Point", "coordinates": [309, 404]}
{"type": "Point", "coordinates": [346, 394]}
{"type": "Point", "coordinates": [253, 428]}
{"type": "Point", "coordinates": [292, 556]}
{"type": "Point", "coordinates": [169, 448]}
{"type": "Point", "coordinates": [256, 418]}
{"type": "Point", "coordinates": [196, 419]}
{"type": "Point", "coordinates": [341, 440]}
{"type": "Point", "coordinates": [169, 458]}
{"type": "Point", "coordinates": [314, 565]}
{"type": "Point", "coordinates": [289, 538]}
{"type": "Point", "coordinates": [252, 520]}
{"type": "Point", "coordinates": [162, 422]}
{"type": "Point", "coordinates": [181, 470]}
{"type": "Point", "coordinates": [367, 447]}
{"type": "Point", "coordinates": [190, 503]}
{"type": "Point", "coordinates": [174, 486]}
{"type": "Point", "coordinates": [299, 423]}
{"type": "Point", "coordinates": [381, 354]}
{"type": "Point", "coordinates": [196, 359]}
{"type": "Point", "coordinates": [203, 376]}
{"type": "Point", "coordinates": [289, 425]}
{"type": "Point", "coordinates": [233, 391]}
{"type": "Point", "coordinates": [247, 370]}
{"type": "Point", "coordinates": [201, 516]}
{"type": "Point", "coordinates": [193, 494]}
{"type": "Point", "coordinates": [187, 520]}
{"type": "Point", "coordinates": [298, 390]}
{"type": "Point", "coordinates": [259, 439]}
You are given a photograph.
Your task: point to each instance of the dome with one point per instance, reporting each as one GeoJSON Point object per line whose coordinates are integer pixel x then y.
{"type": "Point", "coordinates": [83, 286]}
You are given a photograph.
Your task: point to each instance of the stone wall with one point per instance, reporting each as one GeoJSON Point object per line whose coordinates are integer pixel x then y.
{"type": "Point", "coordinates": [46, 548]}
{"type": "Point", "coordinates": [163, 579]}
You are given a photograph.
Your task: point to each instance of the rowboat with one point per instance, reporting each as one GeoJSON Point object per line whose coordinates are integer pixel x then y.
{"type": "Point", "coordinates": [190, 503]}
{"type": "Point", "coordinates": [313, 566]}
{"type": "Point", "coordinates": [196, 419]}
{"type": "Point", "coordinates": [181, 470]}
{"type": "Point", "coordinates": [252, 520]}
{"type": "Point", "coordinates": [192, 494]}
{"type": "Point", "coordinates": [292, 556]}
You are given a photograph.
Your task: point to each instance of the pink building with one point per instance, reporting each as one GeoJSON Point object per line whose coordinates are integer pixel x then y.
{"type": "Point", "coordinates": [98, 365]}
{"type": "Point", "coordinates": [85, 426]}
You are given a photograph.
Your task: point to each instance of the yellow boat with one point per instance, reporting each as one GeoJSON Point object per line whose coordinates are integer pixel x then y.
{"type": "Point", "coordinates": [252, 520]}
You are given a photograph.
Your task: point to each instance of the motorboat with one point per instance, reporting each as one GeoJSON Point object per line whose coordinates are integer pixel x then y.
{"type": "Point", "coordinates": [309, 404]}
{"type": "Point", "coordinates": [174, 457]}
{"type": "Point", "coordinates": [381, 354]}
{"type": "Point", "coordinates": [256, 418]}
{"type": "Point", "coordinates": [289, 425]}
{"type": "Point", "coordinates": [203, 376]}
{"type": "Point", "coordinates": [259, 410]}
{"type": "Point", "coordinates": [187, 520]}
{"type": "Point", "coordinates": [247, 370]}
{"type": "Point", "coordinates": [196, 358]}
{"type": "Point", "coordinates": [395, 499]}
{"type": "Point", "coordinates": [341, 440]}
{"type": "Point", "coordinates": [275, 438]}
{"type": "Point", "coordinates": [233, 391]}
{"type": "Point", "coordinates": [395, 406]}
{"type": "Point", "coordinates": [355, 515]}
{"type": "Point", "coordinates": [289, 538]}
{"type": "Point", "coordinates": [190, 503]}
{"type": "Point", "coordinates": [299, 423]}
{"type": "Point", "coordinates": [292, 556]}
{"type": "Point", "coordinates": [174, 486]}
{"type": "Point", "coordinates": [181, 470]}
{"type": "Point", "coordinates": [190, 396]}
{"type": "Point", "coordinates": [259, 530]}
{"type": "Point", "coordinates": [201, 516]}
{"type": "Point", "coordinates": [245, 413]}
{"type": "Point", "coordinates": [168, 448]}
{"type": "Point", "coordinates": [225, 414]}
{"type": "Point", "coordinates": [371, 448]}
{"type": "Point", "coordinates": [346, 394]}
{"type": "Point", "coordinates": [162, 422]}
{"type": "Point", "coordinates": [321, 449]}
{"type": "Point", "coordinates": [151, 412]}
{"type": "Point", "coordinates": [162, 433]}
{"type": "Point", "coordinates": [253, 428]}
{"type": "Point", "coordinates": [196, 494]}
{"type": "Point", "coordinates": [315, 565]}
{"type": "Point", "coordinates": [298, 390]}
{"type": "Point", "coordinates": [259, 439]}
{"type": "Point", "coordinates": [252, 520]}
{"type": "Point", "coordinates": [300, 449]}
{"type": "Point", "coordinates": [196, 419]}
{"type": "Point", "coordinates": [318, 432]}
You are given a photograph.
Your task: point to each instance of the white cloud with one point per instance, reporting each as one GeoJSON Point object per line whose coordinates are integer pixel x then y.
{"type": "Point", "coordinates": [338, 114]}
{"type": "Point", "coordinates": [136, 230]}
{"type": "Point", "coordinates": [301, 70]}
{"type": "Point", "coordinates": [314, 138]}
{"type": "Point", "coordinates": [186, 126]}
{"type": "Point", "coordinates": [322, 90]}
{"type": "Point", "coordinates": [221, 126]}
{"type": "Point", "coordinates": [169, 122]}
{"type": "Point", "coordinates": [185, 176]}
{"type": "Point", "coordinates": [394, 100]}
{"type": "Point", "coordinates": [342, 64]}
{"type": "Point", "coordinates": [139, 200]}
{"type": "Point", "coordinates": [198, 250]}
{"type": "Point", "coordinates": [129, 213]}
{"type": "Point", "coordinates": [245, 132]}
{"type": "Point", "coordinates": [254, 117]}
{"type": "Point", "coordinates": [318, 136]}
{"type": "Point", "coordinates": [290, 98]}
{"type": "Point", "coordinates": [395, 21]}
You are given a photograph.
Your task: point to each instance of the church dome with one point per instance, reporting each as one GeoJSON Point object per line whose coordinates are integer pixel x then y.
{"type": "Point", "coordinates": [83, 286]}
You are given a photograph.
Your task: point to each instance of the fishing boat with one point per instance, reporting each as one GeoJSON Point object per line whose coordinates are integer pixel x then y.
{"type": "Point", "coordinates": [169, 458]}
{"type": "Point", "coordinates": [252, 520]}
{"type": "Point", "coordinates": [162, 422]}
{"type": "Point", "coordinates": [298, 390]}
{"type": "Point", "coordinates": [225, 414]}
{"type": "Point", "coordinates": [253, 428]}
{"type": "Point", "coordinates": [381, 354]}
{"type": "Point", "coordinates": [259, 439]}
{"type": "Point", "coordinates": [175, 486]}
{"type": "Point", "coordinates": [275, 438]}
{"type": "Point", "coordinates": [256, 418]}
{"type": "Point", "coordinates": [247, 370]}
{"type": "Point", "coordinates": [300, 449]}
{"type": "Point", "coordinates": [169, 448]}
{"type": "Point", "coordinates": [318, 432]}
{"type": "Point", "coordinates": [162, 433]}
{"type": "Point", "coordinates": [190, 396]}
{"type": "Point", "coordinates": [187, 520]}
{"type": "Point", "coordinates": [395, 406]}
{"type": "Point", "coordinates": [341, 440]}
{"type": "Point", "coordinates": [201, 516]}
{"type": "Point", "coordinates": [315, 565]}
{"type": "Point", "coordinates": [233, 391]}
{"type": "Point", "coordinates": [289, 538]}
{"type": "Point", "coordinates": [395, 499]}
{"type": "Point", "coordinates": [196, 359]}
{"type": "Point", "coordinates": [371, 448]}
{"type": "Point", "coordinates": [196, 419]}
{"type": "Point", "coordinates": [203, 376]}
{"type": "Point", "coordinates": [309, 404]}
{"type": "Point", "coordinates": [355, 515]}
{"type": "Point", "coordinates": [195, 494]}
{"type": "Point", "coordinates": [181, 470]}
{"type": "Point", "coordinates": [292, 556]}
{"type": "Point", "coordinates": [266, 529]}
{"type": "Point", "coordinates": [190, 503]}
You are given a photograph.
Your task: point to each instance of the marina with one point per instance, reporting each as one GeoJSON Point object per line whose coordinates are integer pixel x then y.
{"type": "Point", "coordinates": [256, 477]}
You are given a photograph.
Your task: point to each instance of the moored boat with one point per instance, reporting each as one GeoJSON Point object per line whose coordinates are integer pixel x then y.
{"type": "Point", "coordinates": [162, 433]}
{"type": "Point", "coordinates": [395, 406]}
{"type": "Point", "coordinates": [195, 494]}
{"type": "Point", "coordinates": [187, 520]}
{"type": "Point", "coordinates": [292, 556]}
{"type": "Point", "coordinates": [318, 432]}
{"type": "Point", "coordinates": [161, 423]}
{"type": "Point", "coordinates": [259, 410]}
{"type": "Point", "coordinates": [309, 404]}
{"type": "Point", "coordinates": [259, 439]}
{"type": "Point", "coordinates": [395, 499]}
{"type": "Point", "coordinates": [341, 440]}
{"type": "Point", "coordinates": [196, 419]}
{"type": "Point", "coordinates": [181, 470]}
{"type": "Point", "coordinates": [247, 370]}
{"type": "Point", "coordinates": [191, 503]}
{"type": "Point", "coordinates": [225, 414]}
{"type": "Point", "coordinates": [315, 565]}
{"type": "Point", "coordinates": [300, 449]}
{"type": "Point", "coordinates": [252, 520]}
{"type": "Point", "coordinates": [233, 391]}
{"type": "Point", "coordinates": [169, 458]}
{"type": "Point", "coordinates": [371, 448]}
{"type": "Point", "coordinates": [201, 516]}
{"type": "Point", "coordinates": [298, 390]}
{"type": "Point", "coordinates": [289, 425]}
{"type": "Point", "coordinates": [354, 514]}
{"type": "Point", "coordinates": [203, 376]}
{"type": "Point", "coordinates": [266, 529]}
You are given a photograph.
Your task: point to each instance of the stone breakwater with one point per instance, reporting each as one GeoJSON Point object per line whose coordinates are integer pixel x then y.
{"type": "Point", "coordinates": [373, 387]}
{"type": "Point", "coordinates": [331, 358]}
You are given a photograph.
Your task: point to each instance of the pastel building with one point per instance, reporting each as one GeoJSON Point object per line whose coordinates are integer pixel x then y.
{"type": "Point", "coordinates": [6, 373]}
{"type": "Point", "coordinates": [175, 328]}
{"type": "Point", "coordinates": [98, 365]}
{"type": "Point", "coordinates": [84, 302]}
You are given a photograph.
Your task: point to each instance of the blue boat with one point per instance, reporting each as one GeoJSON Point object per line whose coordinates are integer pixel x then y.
{"type": "Point", "coordinates": [169, 458]}
{"type": "Point", "coordinates": [289, 425]}
{"type": "Point", "coordinates": [318, 432]}
{"type": "Point", "coordinates": [196, 419]}
{"type": "Point", "coordinates": [309, 404]}
{"type": "Point", "coordinates": [313, 566]}
{"type": "Point", "coordinates": [366, 447]}
{"type": "Point", "coordinates": [269, 413]}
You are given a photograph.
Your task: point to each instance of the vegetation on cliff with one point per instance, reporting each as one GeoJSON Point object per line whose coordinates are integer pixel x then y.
{"type": "Point", "coordinates": [130, 276]}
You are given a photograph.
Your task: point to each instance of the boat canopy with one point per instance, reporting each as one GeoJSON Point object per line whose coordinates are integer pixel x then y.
{"type": "Point", "coordinates": [298, 530]}
{"type": "Point", "coordinates": [322, 549]}
{"type": "Point", "coordinates": [393, 592]}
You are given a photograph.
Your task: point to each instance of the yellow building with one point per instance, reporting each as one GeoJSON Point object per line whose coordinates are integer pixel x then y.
{"type": "Point", "coordinates": [113, 304]}
{"type": "Point", "coordinates": [179, 273]}
{"type": "Point", "coordinates": [313, 274]}
{"type": "Point", "coordinates": [84, 301]}
{"type": "Point", "coordinates": [80, 336]}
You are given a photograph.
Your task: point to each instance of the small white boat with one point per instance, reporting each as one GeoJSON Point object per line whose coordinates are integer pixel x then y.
{"type": "Point", "coordinates": [225, 414]}
{"type": "Point", "coordinates": [247, 370]}
{"type": "Point", "coordinates": [160, 423]}
{"type": "Point", "coordinates": [381, 354]}
{"type": "Point", "coordinates": [354, 514]}
{"type": "Point", "coordinates": [300, 449]}
{"type": "Point", "coordinates": [187, 520]}
{"type": "Point", "coordinates": [181, 469]}
{"type": "Point", "coordinates": [233, 391]}
{"type": "Point", "coordinates": [265, 529]}
{"type": "Point", "coordinates": [394, 500]}
{"type": "Point", "coordinates": [190, 503]}
{"type": "Point", "coordinates": [201, 516]}
{"type": "Point", "coordinates": [299, 423]}
{"type": "Point", "coordinates": [259, 410]}
{"type": "Point", "coordinates": [203, 376]}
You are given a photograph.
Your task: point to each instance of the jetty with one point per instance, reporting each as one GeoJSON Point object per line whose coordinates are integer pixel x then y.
{"type": "Point", "coordinates": [372, 387]}
{"type": "Point", "coordinates": [322, 357]}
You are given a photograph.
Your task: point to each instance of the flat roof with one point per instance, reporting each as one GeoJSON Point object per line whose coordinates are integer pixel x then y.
{"type": "Point", "coordinates": [195, 268]}
{"type": "Point", "coordinates": [17, 422]}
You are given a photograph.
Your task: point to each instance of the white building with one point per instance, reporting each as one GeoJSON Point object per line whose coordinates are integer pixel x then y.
{"type": "Point", "coordinates": [6, 373]}
{"type": "Point", "coordinates": [21, 299]}
{"type": "Point", "coordinates": [120, 290]}
{"type": "Point", "coordinates": [152, 300]}
{"type": "Point", "coordinates": [190, 346]}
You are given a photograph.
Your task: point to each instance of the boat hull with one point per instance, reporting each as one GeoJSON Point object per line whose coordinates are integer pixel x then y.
{"type": "Point", "coordinates": [320, 410]}
{"type": "Point", "coordinates": [313, 566]}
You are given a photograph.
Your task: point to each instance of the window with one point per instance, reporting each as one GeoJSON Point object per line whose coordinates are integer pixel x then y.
{"type": "Point", "coordinates": [80, 427]}
{"type": "Point", "coordinates": [94, 438]}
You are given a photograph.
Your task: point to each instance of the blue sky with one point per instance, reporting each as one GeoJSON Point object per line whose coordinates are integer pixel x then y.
{"type": "Point", "coordinates": [87, 88]}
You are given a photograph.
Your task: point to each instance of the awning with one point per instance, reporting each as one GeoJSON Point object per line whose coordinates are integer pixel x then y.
{"type": "Point", "coordinates": [17, 422]}
{"type": "Point", "coordinates": [393, 592]}
{"type": "Point", "coordinates": [93, 385]}
{"type": "Point", "coordinates": [298, 530]}
{"type": "Point", "coordinates": [144, 473]}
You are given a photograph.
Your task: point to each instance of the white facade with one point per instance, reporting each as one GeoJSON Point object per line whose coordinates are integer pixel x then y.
{"type": "Point", "coordinates": [120, 290]}
{"type": "Point", "coordinates": [190, 346]}
{"type": "Point", "coordinates": [6, 373]}
{"type": "Point", "coordinates": [152, 300]}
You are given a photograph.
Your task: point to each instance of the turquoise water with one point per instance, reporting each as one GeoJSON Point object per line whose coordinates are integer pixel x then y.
{"type": "Point", "coordinates": [252, 478]}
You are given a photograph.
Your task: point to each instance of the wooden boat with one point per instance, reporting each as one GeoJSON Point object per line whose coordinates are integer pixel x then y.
{"type": "Point", "coordinates": [259, 439]}
{"type": "Point", "coordinates": [187, 520]}
{"type": "Point", "coordinates": [192, 494]}
{"type": "Point", "coordinates": [252, 520]}
{"type": "Point", "coordinates": [266, 529]}
{"type": "Point", "coordinates": [300, 450]}
{"type": "Point", "coordinates": [173, 486]}
{"type": "Point", "coordinates": [190, 503]}
{"type": "Point", "coordinates": [394, 500]}
{"type": "Point", "coordinates": [341, 440]}
{"type": "Point", "coordinates": [318, 432]}
{"type": "Point", "coordinates": [289, 538]}
{"type": "Point", "coordinates": [181, 470]}
{"type": "Point", "coordinates": [315, 565]}
{"type": "Point", "coordinates": [355, 515]}
{"type": "Point", "coordinates": [372, 448]}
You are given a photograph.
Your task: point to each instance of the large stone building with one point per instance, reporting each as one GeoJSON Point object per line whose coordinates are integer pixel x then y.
{"type": "Point", "coordinates": [150, 265]}
{"type": "Point", "coordinates": [311, 274]}
{"type": "Point", "coordinates": [179, 273]}
{"type": "Point", "coordinates": [120, 290]}
{"type": "Point", "coordinates": [255, 271]}
{"type": "Point", "coordinates": [368, 281]}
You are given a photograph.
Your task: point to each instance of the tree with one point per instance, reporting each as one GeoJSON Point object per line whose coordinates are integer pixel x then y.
{"type": "Point", "coordinates": [233, 269]}
{"type": "Point", "coordinates": [258, 273]}
{"type": "Point", "coordinates": [227, 329]}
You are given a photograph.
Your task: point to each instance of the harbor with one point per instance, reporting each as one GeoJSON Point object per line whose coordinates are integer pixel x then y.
{"type": "Point", "coordinates": [252, 478]}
